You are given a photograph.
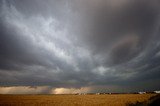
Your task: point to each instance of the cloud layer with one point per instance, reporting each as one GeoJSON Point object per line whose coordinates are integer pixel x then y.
{"type": "Point", "coordinates": [71, 44]}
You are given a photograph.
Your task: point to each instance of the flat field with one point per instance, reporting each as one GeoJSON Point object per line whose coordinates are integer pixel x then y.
{"type": "Point", "coordinates": [72, 100]}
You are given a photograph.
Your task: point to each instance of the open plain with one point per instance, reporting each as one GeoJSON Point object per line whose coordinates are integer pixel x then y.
{"type": "Point", "coordinates": [73, 100]}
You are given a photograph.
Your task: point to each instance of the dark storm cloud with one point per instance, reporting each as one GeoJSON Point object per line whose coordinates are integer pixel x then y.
{"type": "Point", "coordinates": [65, 43]}
{"type": "Point", "coordinates": [123, 23]}
{"type": "Point", "coordinates": [40, 7]}
{"type": "Point", "coordinates": [34, 49]}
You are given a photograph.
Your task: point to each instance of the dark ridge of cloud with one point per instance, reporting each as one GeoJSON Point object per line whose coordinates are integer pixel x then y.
{"type": "Point", "coordinates": [125, 50]}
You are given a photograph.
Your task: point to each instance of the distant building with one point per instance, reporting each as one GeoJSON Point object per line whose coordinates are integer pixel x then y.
{"type": "Point", "coordinates": [157, 91]}
{"type": "Point", "coordinates": [142, 92]}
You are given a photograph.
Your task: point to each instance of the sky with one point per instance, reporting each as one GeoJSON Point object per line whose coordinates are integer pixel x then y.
{"type": "Point", "coordinates": [79, 46]}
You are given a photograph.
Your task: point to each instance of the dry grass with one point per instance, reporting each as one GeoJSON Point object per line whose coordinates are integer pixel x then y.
{"type": "Point", "coordinates": [72, 100]}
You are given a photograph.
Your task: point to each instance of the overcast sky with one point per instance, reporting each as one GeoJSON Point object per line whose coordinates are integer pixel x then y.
{"type": "Point", "coordinates": [70, 46]}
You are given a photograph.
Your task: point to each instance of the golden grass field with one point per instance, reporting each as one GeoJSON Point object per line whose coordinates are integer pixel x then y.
{"type": "Point", "coordinates": [72, 100]}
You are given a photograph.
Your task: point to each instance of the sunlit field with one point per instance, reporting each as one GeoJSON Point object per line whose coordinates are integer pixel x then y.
{"type": "Point", "coordinates": [73, 100]}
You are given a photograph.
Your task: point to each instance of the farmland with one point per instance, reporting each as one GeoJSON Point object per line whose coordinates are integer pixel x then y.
{"type": "Point", "coordinates": [73, 100]}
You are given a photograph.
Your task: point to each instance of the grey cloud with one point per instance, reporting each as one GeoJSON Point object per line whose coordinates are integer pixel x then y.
{"type": "Point", "coordinates": [126, 49]}
{"type": "Point", "coordinates": [79, 43]}
{"type": "Point", "coordinates": [109, 25]}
